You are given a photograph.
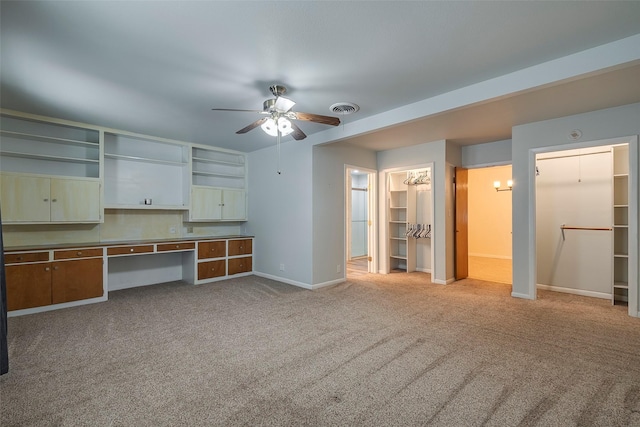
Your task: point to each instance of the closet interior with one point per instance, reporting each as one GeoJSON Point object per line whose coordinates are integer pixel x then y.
{"type": "Point", "coordinates": [409, 213]}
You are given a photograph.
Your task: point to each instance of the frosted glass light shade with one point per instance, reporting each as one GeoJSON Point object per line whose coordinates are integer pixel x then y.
{"type": "Point", "coordinates": [270, 127]}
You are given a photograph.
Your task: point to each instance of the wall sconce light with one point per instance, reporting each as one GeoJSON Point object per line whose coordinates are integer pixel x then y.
{"type": "Point", "coordinates": [496, 185]}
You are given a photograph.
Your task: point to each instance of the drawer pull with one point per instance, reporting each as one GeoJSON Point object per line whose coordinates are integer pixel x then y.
{"type": "Point", "coordinates": [56, 267]}
{"type": "Point", "coordinates": [79, 253]}
{"type": "Point", "coordinates": [54, 200]}
{"type": "Point", "coordinates": [177, 246]}
{"type": "Point", "coordinates": [19, 258]}
{"type": "Point", "coordinates": [131, 249]}
{"type": "Point", "coordinates": [46, 269]}
{"type": "Point", "coordinates": [213, 269]}
{"type": "Point", "coordinates": [45, 200]}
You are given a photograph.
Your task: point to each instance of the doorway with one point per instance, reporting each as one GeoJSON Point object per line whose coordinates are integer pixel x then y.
{"type": "Point", "coordinates": [483, 224]}
{"type": "Point", "coordinates": [360, 220]}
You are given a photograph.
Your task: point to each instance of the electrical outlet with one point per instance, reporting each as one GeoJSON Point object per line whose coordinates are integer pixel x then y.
{"type": "Point", "coordinates": [281, 267]}
{"type": "Point", "coordinates": [172, 230]}
{"type": "Point", "coordinates": [339, 268]}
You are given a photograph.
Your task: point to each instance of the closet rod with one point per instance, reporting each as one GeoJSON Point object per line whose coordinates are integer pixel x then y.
{"type": "Point", "coordinates": [572, 227]}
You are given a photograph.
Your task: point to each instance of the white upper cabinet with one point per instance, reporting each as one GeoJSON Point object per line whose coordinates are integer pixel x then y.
{"type": "Point", "coordinates": [218, 180]}
{"type": "Point", "coordinates": [51, 171]}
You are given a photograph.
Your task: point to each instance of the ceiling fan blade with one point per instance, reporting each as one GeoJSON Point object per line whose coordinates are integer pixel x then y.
{"type": "Point", "coordinates": [325, 120]}
{"type": "Point", "coordinates": [283, 104]}
{"type": "Point", "coordinates": [253, 125]}
{"type": "Point", "coordinates": [297, 133]}
{"type": "Point", "coordinates": [241, 111]}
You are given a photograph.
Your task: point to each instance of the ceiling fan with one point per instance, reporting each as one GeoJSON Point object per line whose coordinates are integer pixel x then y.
{"type": "Point", "coordinates": [279, 116]}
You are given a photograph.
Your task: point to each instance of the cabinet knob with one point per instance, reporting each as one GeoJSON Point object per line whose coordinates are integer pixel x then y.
{"type": "Point", "coordinates": [56, 267]}
{"type": "Point", "coordinates": [47, 269]}
{"type": "Point", "coordinates": [19, 258]}
{"type": "Point", "coordinates": [213, 249]}
{"type": "Point", "coordinates": [241, 247]}
{"type": "Point", "coordinates": [54, 200]}
{"type": "Point", "coordinates": [131, 249]}
{"type": "Point", "coordinates": [79, 253]}
{"type": "Point", "coordinates": [45, 200]}
{"type": "Point", "coordinates": [213, 269]}
{"type": "Point", "coordinates": [177, 246]}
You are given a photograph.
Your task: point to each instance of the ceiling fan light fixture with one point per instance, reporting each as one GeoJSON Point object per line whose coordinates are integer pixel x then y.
{"type": "Point", "coordinates": [270, 127]}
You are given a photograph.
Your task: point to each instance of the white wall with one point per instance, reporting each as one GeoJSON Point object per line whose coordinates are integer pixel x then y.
{"type": "Point", "coordinates": [489, 154]}
{"type": "Point", "coordinates": [328, 218]}
{"type": "Point", "coordinates": [436, 152]}
{"type": "Point", "coordinates": [527, 139]}
{"type": "Point", "coordinates": [280, 212]}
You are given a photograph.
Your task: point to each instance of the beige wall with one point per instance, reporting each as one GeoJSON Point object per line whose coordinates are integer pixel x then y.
{"type": "Point", "coordinates": [489, 213]}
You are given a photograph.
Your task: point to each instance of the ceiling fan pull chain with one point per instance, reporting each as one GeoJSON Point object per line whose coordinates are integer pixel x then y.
{"type": "Point", "coordinates": [278, 150]}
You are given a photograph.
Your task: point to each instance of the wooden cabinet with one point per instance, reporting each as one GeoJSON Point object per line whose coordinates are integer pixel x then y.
{"type": "Point", "coordinates": [34, 199]}
{"type": "Point", "coordinates": [28, 285]}
{"type": "Point", "coordinates": [240, 247]}
{"type": "Point", "coordinates": [214, 204]}
{"type": "Point", "coordinates": [215, 249]}
{"type": "Point", "coordinates": [240, 265]}
{"type": "Point", "coordinates": [211, 269]}
{"type": "Point", "coordinates": [129, 250]}
{"type": "Point", "coordinates": [76, 280]}
{"type": "Point", "coordinates": [34, 281]}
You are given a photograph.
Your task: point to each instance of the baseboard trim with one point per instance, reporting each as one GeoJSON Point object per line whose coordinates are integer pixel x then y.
{"type": "Point", "coordinates": [52, 307]}
{"type": "Point", "coordinates": [300, 284]}
{"type": "Point", "coordinates": [442, 282]}
{"type": "Point", "coordinates": [519, 295]}
{"type": "Point", "coordinates": [284, 280]}
{"type": "Point", "coordinates": [424, 270]}
{"type": "Point", "coordinates": [580, 292]}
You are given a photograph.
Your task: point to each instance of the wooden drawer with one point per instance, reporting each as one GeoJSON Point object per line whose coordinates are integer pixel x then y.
{"type": "Point", "coordinates": [129, 250]}
{"type": "Point", "coordinates": [211, 269]}
{"type": "Point", "coordinates": [78, 253]}
{"type": "Point", "coordinates": [17, 258]}
{"type": "Point", "coordinates": [240, 247]}
{"type": "Point", "coordinates": [240, 265]}
{"type": "Point", "coordinates": [215, 249]}
{"type": "Point", "coordinates": [176, 246]}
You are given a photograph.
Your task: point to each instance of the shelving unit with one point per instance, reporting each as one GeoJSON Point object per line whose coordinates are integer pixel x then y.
{"type": "Point", "coordinates": [402, 211]}
{"type": "Point", "coordinates": [145, 173]}
{"type": "Point", "coordinates": [30, 146]}
{"type": "Point", "coordinates": [218, 182]}
{"type": "Point", "coordinates": [620, 282]}
{"type": "Point", "coordinates": [50, 171]}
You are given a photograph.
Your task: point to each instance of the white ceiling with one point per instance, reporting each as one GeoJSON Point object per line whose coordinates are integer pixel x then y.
{"type": "Point", "coordinates": [159, 67]}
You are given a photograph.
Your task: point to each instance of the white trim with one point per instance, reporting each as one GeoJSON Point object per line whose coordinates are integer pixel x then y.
{"type": "Point", "coordinates": [329, 283]}
{"type": "Point", "coordinates": [424, 270]}
{"type": "Point", "coordinates": [443, 282]}
{"type": "Point", "coordinates": [52, 307]}
{"type": "Point", "coordinates": [573, 291]}
{"type": "Point", "coordinates": [284, 280]}
{"type": "Point", "coordinates": [523, 296]}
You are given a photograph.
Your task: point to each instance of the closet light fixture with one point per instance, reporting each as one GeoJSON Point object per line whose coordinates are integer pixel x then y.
{"type": "Point", "coordinates": [496, 185]}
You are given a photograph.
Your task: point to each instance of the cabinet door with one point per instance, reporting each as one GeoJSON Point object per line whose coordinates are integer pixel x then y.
{"type": "Point", "coordinates": [206, 204]}
{"type": "Point", "coordinates": [215, 249]}
{"type": "Point", "coordinates": [28, 285]}
{"type": "Point", "coordinates": [234, 205]}
{"type": "Point", "coordinates": [240, 247]}
{"type": "Point", "coordinates": [240, 265]}
{"type": "Point", "coordinates": [24, 198]}
{"type": "Point", "coordinates": [76, 280]}
{"type": "Point", "coordinates": [75, 200]}
{"type": "Point", "coordinates": [211, 269]}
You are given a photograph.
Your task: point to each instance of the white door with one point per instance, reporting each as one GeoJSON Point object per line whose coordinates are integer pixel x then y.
{"type": "Point", "coordinates": [25, 198]}
{"type": "Point", "coordinates": [75, 200]}
{"type": "Point", "coordinates": [234, 205]}
{"type": "Point", "coordinates": [206, 204]}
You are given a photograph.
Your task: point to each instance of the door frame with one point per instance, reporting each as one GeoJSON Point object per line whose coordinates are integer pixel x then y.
{"type": "Point", "coordinates": [633, 212]}
{"type": "Point", "coordinates": [372, 235]}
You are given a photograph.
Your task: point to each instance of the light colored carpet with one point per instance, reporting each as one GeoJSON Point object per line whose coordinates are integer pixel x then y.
{"type": "Point", "coordinates": [377, 350]}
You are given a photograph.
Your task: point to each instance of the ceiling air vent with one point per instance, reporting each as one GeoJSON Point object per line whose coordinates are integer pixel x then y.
{"type": "Point", "coordinates": [344, 108]}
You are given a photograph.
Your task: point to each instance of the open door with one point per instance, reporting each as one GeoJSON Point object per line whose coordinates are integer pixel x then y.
{"type": "Point", "coordinates": [462, 223]}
